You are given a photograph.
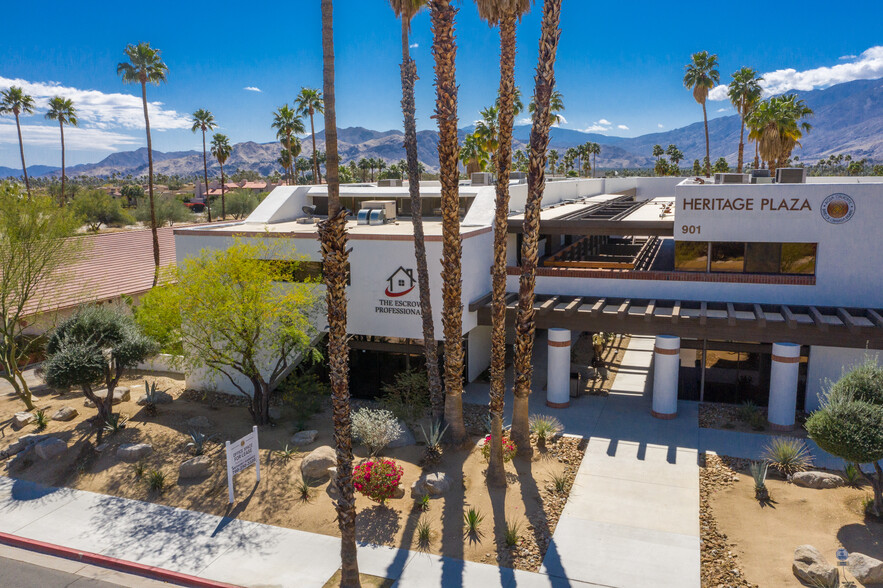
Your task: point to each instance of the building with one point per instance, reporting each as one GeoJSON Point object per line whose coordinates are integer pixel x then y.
{"type": "Point", "coordinates": [214, 188]}
{"type": "Point", "coordinates": [756, 291]}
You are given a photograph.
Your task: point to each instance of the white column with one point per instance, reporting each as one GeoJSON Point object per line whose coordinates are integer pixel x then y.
{"type": "Point", "coordinates": [558, 372]}
{"type": "Point", "coordinates": [666, 365]}
{"type": "Point", "coordinates": [783, 386]}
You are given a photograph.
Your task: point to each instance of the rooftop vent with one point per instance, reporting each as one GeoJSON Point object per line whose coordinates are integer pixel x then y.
{"type": "Point", "coordinates": [309, 211]}
{"type": "Point", "coordinates": [376, 212]}
{"type": "Point", "coordinates": [791, 175]}
{"type": "Point", "coordinates": [389, 183]}
{"type": "Point", "coordinates": [730, 178]}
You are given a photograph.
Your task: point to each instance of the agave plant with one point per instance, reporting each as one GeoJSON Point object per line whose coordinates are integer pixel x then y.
{"type": "Point", "coordinates": [114, 424]}
{"type": "Point", "coordinates": [198, 441]}
{"type": "Point", "coordinates": [758, 472]}
{"type": "Point", "coordinates": [151, 394]}
{"type": "Point", "coordinates": [433, 442]}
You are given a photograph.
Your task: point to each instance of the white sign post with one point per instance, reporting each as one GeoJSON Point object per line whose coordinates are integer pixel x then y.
{"type": "Point", "coordinates": [242, 454]}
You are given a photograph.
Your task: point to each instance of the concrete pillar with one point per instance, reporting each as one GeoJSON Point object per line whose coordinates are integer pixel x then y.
{"type": "Point", "coordinates": [783, 386]}
{"type": "Point", "coordinates": [666, 365]}
{"type": "Point", "coordinates": [558, 372]}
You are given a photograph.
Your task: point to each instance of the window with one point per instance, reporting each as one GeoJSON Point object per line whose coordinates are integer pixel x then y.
{"type": "Point", "coordinates": [763, 258]}
{"type": "Point", "coordinates": [691, 256]}
{"type": "Point", "coordinates": [728, 257]}
{"type": "Point", "coordinates": [751, 258]}
{"type": "Point", "coordinates": [798, 258]}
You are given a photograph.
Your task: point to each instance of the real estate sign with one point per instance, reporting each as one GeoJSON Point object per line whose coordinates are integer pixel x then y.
{"type": "Point", "coordinates": [242, 454]}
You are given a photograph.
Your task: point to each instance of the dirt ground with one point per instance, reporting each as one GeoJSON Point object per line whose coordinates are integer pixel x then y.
{"type": "Point", "coordinates": [764, 537]}
{"type": "Point", "coordinates": [529, 499]}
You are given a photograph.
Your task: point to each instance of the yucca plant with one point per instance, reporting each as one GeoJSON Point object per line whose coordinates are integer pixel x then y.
{"type": "Point", "coordinates": [512, 533]}
{"type": "Point", "coordinates": [852, 475]}
{"type": "Point", "coordinates": [287, 453]}
{"type": "Point", "coordinates": [758, 471]}
{"type": "Point", "coordinates": [198, 441]}
{"type": "Point", "coordinates": [747, 411]}
{"type": "Point", "coordinates": [472, 519]}
{"type": "Point", "coordinates": [156, 480]}
{"type": "Point", "coordinates": [788, 455]}
{"type": "Point", "coordinates": [138, 470]}
{"type": "Point", "coordinates": [433, 442]}
{"type": "Point", "coordinates": [303, 490]}
{"type": "Point", "coordinates": [424, 533]}
{"type": "Point", "coordinates": [114, 424]}
{"type": "Point", "coordinates": [561, 483]}
{"type": "Point", "coordinates": [544, 427]}
{"type": "Point", "coordinates": [41, 419]}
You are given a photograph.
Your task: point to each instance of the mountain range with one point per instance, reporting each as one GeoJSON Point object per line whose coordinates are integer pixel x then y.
{"type": "Point", "coordinates": [848, 118]}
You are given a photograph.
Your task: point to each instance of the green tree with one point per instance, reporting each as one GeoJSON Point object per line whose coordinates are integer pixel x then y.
{"type": "Point", "coordinates": [556, 105]}
{"type": "Point", "coordinates": [132, 193]}
{"type": "Point", "coordinates": [168, 211]}
{"type": "Point", "coordinates": [675, 155]}
{"type": "Point", "coordinates": [94, 347]}
{"type": "Point", "coordinates": [700, 76]}
{"type": "Point", "coordinates": [661, 168]}
{"type": "Point", "coordinates": [744, 93]}
{"type": "Point", "coordinates": [658, 152]}
{"type": "Point", "coordinates": [145, 65]}
{"type": "Point", "coordinates": [307, 103]}
{"type": "Point", "coordinates": [242, 203]}
{"type": "Point", "coordinates": [203, 120]}
{"type": "Point", "coordinates": [288, 125]}
{"type": "Point", "coordinates": [97, 207]}
{"type": "Point", "coordinates": [697, 168]}
{"type": "Point", "coordinates": [721, 166]}
{"type": "Point", "coordinates": [62, 110]}
{"type": "Point", "coordinates": [778, 124]}
{"type": "Point", "coordinates": [14, 101]}
{"type": "Point", "coordinates": [850, 424]}
{"type": "Point", "coordinates": [33, 249]}
{"type": "Point", "coordinates": [221, 150]}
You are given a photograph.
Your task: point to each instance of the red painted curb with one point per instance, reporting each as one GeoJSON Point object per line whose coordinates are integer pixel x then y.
{"type": "Point", "coordinates": [111, 562]}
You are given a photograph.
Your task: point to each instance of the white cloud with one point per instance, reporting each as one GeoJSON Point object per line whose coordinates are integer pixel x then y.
{"type": "Point", "coordinates": [721, 110]}
{"type": "Point", "coordinates": [561, 121]}
{"type": "Point", "coordinates": [660, 125]}
{"type": "Point", "coordinates": [100, 110]}
{"type": "Point", "coordinates": [525, 121]}
{"type": "Point", "coordinates": [74, 138]}
{"type": "Point", "coordinates": [867, 66]}
{"type": "Point", "coordinates": [623, 127]}
{"type": "Point", "coordinates": [604, 121]}
{"type": "Point", "coordinates": [847, 57]}
{"type": "Point", "coordinates": [599, 126]}
{"type": "Point", "coordinates": [414, 45]}
{"type": "Point", "coordinates": [252, 89]}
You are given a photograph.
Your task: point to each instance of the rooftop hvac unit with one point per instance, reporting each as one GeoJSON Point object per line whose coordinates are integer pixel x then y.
{"type": "Point", "coordinates": [520, 176]}
{"type": "Point", "coordinates": [362, 217]}
{"type": "Point", "coordinates": [389, 183]}
{"type": "Point", "coordinates": [482, 179]}
{"type": "Point", "coordinates": [759, 173]}
{"type": "Point", "coordinates": [376, 216]}
{"type": "Point", "coordinates": [791, 175]}
{"type": "Point", "coordinates": [724, 178]}
{"type": "Point", "coordinates": [385, 209]}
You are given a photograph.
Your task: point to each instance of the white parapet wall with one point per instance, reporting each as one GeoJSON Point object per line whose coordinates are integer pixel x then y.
{"type": "Point", "coordinates": [827, 365]}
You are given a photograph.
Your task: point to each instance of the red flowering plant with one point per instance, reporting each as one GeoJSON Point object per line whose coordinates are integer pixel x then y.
{"type": "Point", "coordinates": [377, 479]}
{"type": "Point", "coordinates": [508, 448]}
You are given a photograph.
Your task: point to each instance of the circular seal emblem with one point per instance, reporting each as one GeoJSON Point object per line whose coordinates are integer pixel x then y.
{"type": "Point", "coordinates": [838, 208]}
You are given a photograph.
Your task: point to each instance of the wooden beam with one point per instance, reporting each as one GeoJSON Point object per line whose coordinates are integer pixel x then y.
{"type": "Point", "coordinates": [573, 306]}
{"type": "Point", "coordinates": [731, 314]}
{"type": "Point", "coordinates": [759, 316]}
{"type": "Point", "coordinates": [703, 313]}
{"type": "Point", "coordinates": [848, 320]}
{"type": "Point", "coordinates": [548, 305]}
{"type": "Point", "coordinates": [623, 309]}
{"type": "Point", "coordinates": [874, 317]}
{"type": "Point", "coordinates": [651, 308]}
{"type": "Point", "coordinates": [599, 306]}
{"type": "Point", "coordinates": [790, 320]}
{"type": "Point", "coordinates": [817, 318]}
{"type": "Point", "coordinates": [483, 301]}
{"type": "Point", "coordinates": [676, 312]}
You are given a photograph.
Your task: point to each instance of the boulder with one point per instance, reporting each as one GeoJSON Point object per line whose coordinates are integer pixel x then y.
{"type": "Point", "coordinates": [866, 569]}
{"type": "Point", "coordinates": [133, 452]}
{"type": "Point", "coordinates": [400, 492]}
{"type": "Point", "coordinates": [50, 448]}
{"type": "Point", "coordinates": [430, 485]}
{"type": "Point", "coordinates": [120, 394]}
{"type": "Point", "coordinates": [20, 419]}
{"type": "Point", "coordinates": [65, 413]}
{"type": "Point", "coordinates": [197, 467]}
{"type": "Point", "coordinates": [405, 438]}
{"type": "Point", "coordinates": [25, 442]}
{"type": "Point", "coordinates": [304, 438]}
{"type": "Point", "coordinates": [811, 567]}
{"type": "Point", "coordinates": [199, 422]}
{"type": "Point", "coordinates": [159, 398]}
{"type": "Point", "coordinates": [818, 480]}
{"type": "Point", "coordinates": [316, 464]}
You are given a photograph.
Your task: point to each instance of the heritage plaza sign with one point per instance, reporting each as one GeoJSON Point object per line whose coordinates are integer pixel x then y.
{"type": "Point", "coordinates": [748, 204]}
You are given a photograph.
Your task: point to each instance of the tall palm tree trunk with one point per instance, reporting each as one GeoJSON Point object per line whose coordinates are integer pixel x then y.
{"type": "Point", "coordinates": [332, 233]}
{"type": "Point", "coordinates": [756, 155]}
{"type": "Point", "coordinates": [496, 474]}
{"type": "Point", "coordinates": [430, 346]}
{"type": "Point", "coordinates": [61, 127]}
{"type": "Point", "coordinates": [444, 49]}
{"type": "Point", "coordinates": [208, 205]}
{"type": "Point", "coordinates": [21, 148]}
{"type": "Point", "coordinates": [150, 183]}
{"type": "Point", "coordinates": [223, 199]}
{"type": "Point", "coordinates": [707, 145]}
{"type": "Point", "coordinates": [315, 154]}
{"type": "Point", "coordinates": [741, 140]}
{"type": "Point", "coordinates": [525, 326]}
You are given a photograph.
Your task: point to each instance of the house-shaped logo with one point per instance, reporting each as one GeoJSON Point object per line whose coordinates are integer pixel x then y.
{"type": "Point", "coordinates": [400, 282]}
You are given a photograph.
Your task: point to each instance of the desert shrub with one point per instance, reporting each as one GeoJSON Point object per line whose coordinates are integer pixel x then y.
{"type": "Point", "coordinates": [508, 448]}
{"type": "Point", "coordinates": [423, 503]}
{"type": "Point", "coordinates": [156, 480]}
{"type": "Point", "coordinates": [788, 455]}
{"type": "Point", "coordinates": [747, 411]}
{"type": "Point", "coordinates": [198, 439]}
{"type": "Point", "coordinates": [864, 383]}
{"type": "Point", "coordinates": [41, 419]}
{"type": "Point", "coordinates": [97, 207]}
{"type": "Point", "coordinates": [472, 519]}
{"type": "Point", "coordinates": [114, 424]}
{"type": "Point", "coordinates": [304, 393]}
{"type": "Point", "coordinates": [545, 427]}
{"type": "Point", "coordinates": [375, 428]}
{"type": "Point", "coordinates": [408, 396]}
{"type": "Point", "coordinates": [433, 442]}
{"type": "Point", "coordinates": [303, 490]}
{"type": "Point", "coordinates": [167, 209]}
{"type": "Point", "coordinates": [512, 533]}
{"type": "Point", "coordinates": [377, 479]}
{"type": "Point", "coordinates": [757, 421]}
{"type": "Point", "coordinates": [151, 394]}
{"type": "Point", "coordinates": [241, 203]}
{"type": "Point", "coordinates": [138, 469]}
{"type": "Point", "coordinates": [852, 475]}
{"type": "Point", "coordinates": [287, 453]}
{"type": "Point", "coordinates": [561, 483]}
{"type": "Point", "coordinates": [424, 533]}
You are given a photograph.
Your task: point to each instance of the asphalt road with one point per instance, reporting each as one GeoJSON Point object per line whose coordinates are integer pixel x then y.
{"type": "Point", "coordinates": [19, 574]}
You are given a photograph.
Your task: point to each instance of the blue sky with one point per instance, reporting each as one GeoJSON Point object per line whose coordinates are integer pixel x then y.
{"type": "Point", "coordinates": [620, 65]}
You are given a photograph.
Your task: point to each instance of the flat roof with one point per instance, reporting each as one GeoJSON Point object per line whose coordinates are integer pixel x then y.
{"type": "Point", "coordinates": [432, 228]}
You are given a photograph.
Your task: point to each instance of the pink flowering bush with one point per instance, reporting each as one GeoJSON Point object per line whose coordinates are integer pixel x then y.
{"type": "Point", "coordinates": [508, 448]}
{"type": "Point", "coordinates": [377, 479]}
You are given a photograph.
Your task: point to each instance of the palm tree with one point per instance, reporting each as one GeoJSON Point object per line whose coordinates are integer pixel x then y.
{"type": "Point", "coordinates": [145, 65]}
{"type": "Point", "coordinates": [556, 105]}
{"type": "Point", "coordinates": [594, 149]}
{"type": "Point", "coordinates": [701, 76]}
{"type": "Point", "coordinates": [405, 10]}
{"type": "Point", "coordinates": [286, 161]}
{"type": "Point", "coordinates": [675, 155]}
{"type": "Point", "coordinates": [525, 325]}
{"type": "Point", "coordinates": [62, 110]}
{"type": "Point", "coordinates": [473, 154]}
{"type": "Point", "coordinates": [15, 101]}
{"type": "Point", "coordinates": [553, 160]}
{"type": "Point", "coordinates": [309, 102]}
{"type": "Point", "coordinates": [744, 92]}
{"type": "Point", "coordinates": [203, 120]}
{"type": "Point", "coordinates": [505, 14]}
{"type": "Point", "coordinates": [444, 51]}
{"type": "Point", "coordinates": [487, 131]}
{"type": "Point", "coordinates": [221, 150]}
{"type": "Point", "coordinates": [332, 233]}
{"type": "Point", "coordinates": [777, 125]}
{"type": "Point", "coordinates": [288, 124]}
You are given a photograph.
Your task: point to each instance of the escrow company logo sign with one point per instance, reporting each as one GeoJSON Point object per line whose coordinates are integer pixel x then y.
{"type": "Point", "coordinates": [400, 283]}
{"type": "Point", "coordinates": [838, 208]}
